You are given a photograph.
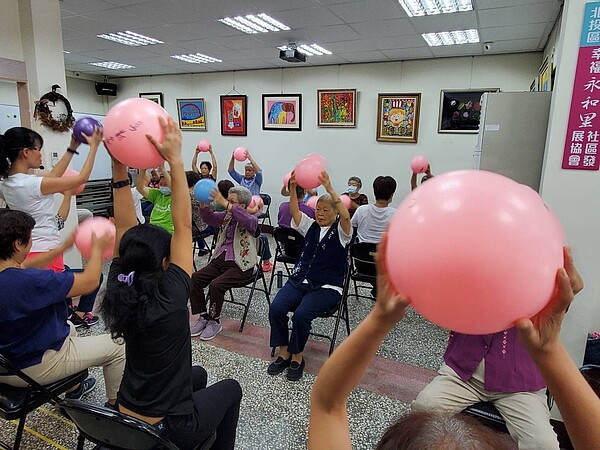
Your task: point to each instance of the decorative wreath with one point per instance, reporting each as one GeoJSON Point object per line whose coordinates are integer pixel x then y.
{"type": "Point", "coordinates": [43, 113]}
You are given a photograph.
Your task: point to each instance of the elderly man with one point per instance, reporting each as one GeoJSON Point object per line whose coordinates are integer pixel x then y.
{"type": "Point", "coordinates": [252, 178]}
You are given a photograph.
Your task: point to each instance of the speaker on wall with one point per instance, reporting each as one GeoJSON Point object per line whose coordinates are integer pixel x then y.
{"type": "Point", "coordinates": [106, 89]}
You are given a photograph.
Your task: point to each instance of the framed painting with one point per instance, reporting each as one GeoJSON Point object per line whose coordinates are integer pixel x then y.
{"type": "Point", "coordinates": [336, 107]}
{"type": "Point", "coordinates": [398, 117]}
{"type": "Point", "coordinates": [460, 110]}
{"type": "Point", "coordinates": [192, 114]}
{"type": "Point", "coordinates": [282, 112]}
{"type": "Point", "coordinates": [156, 97]}
{"type": "Point", "coordinates": [545, 75]}
{"type": "Point", "coordinates": [233, 115]}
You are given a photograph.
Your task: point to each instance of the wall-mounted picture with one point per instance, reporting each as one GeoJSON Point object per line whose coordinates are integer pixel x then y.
{"type": "Point", "coordinates": [398, 117]}
{"type": "Point", "coordinates": [282, 112]}
{"type": "Point", "coordinates": [545, 75]}
{"type": "Point", "coordinates": [336, 107]}
{"type": "Point", "coordinates": [233, 115]}
{"type": "Point", "coordinates": [460, 110]}
{"type": "Point", "coordinates": [192, 114]}
{"type": "Point", "coordinates": [156, 97]}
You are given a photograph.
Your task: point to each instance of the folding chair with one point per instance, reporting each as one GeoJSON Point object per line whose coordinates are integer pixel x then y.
{"type": "Point", "coordinates": [362, 266]}
{"type": "Point", "coordinates": [288, 243]}
{"type": "Point", "coordinates": [591, 372]}
{"type": "Point", "coordinates": [265, 215]}
{"type": "Point", "coordinates": [197, 237]}
{"type": "Point", "coordinates": [114, 430]}
{"type": "Point", "coordinates": [17, 402]}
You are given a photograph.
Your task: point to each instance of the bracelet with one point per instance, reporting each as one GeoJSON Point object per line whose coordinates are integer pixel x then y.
{"type": "Point", "coordinates": [119, 184]}
{"type": "Point", "coordinates": [70, 150]}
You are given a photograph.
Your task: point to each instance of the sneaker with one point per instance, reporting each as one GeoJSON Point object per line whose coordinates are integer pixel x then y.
{"type": "Point", "coordinates": [198, 327]}
{"type": "Point", "coordinates": [267, 266]}
{"type": "Point", "coordinates": [85, 386]}
{"type": "Point", "coordinates": [211, 330]}
{"type": "Point", "coordinates": [77, 321]}
{"type": "Point", "coordinates": [114, 407]}
{"type": "Point", "coordinates": [203, 252]}
{"type": "Point", "coordinates": [296, 370]}
{"type": "Point", "coordinates": [89, 319]}
{"type": "Point", "coordinates": [279, 365]}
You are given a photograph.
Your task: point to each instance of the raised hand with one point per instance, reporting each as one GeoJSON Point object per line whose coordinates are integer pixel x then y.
{"type": "Point", "coordinates": [170, 148]}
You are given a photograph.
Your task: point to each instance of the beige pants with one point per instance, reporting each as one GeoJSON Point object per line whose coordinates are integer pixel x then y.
{"type": "Point", "coordinates": [77, 354]}
{"type": "Point", "coordinates": [526, 413]}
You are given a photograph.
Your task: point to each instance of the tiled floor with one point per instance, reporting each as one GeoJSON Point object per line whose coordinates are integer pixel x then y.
{"type": "Point", "coordinates": [274, 412]}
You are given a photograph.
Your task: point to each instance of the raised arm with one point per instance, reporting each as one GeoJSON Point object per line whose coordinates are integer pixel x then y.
{"type": "Point", "coordinates": [341, 209]}
{"type": "Point", "coordinates": [328, 428]}
{"type": "Point", "coordinates": [88, 280]}
{"type": "Point", "coordinates": [170, 149]}
{"type": "Point", "coordinates": [254, 163]}
{"type": "Point", "coordinates": [63, 163]}
{"type": "Point", "coordinates": [166, 174]}
{"type": "Point", "coordinates": [413, 181]}
{"type": "Point", "coordinates": [141, 184]}
{"type": "Point", "coordinates": [215, 169]}
{"type": "Point", "coordinates": [125, 217]}
{"type": "Point", "coordinates": [65, 206]}
{"type": "Point", "coordinates": [231, 167]}
{"type": "Point", "coordinates": [294, 208]}
{"type": "Point", "coordinates": [195, 161]}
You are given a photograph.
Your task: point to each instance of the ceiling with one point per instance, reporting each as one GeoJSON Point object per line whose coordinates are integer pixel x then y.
{"type": "Point", "coordinates": [356, 31]}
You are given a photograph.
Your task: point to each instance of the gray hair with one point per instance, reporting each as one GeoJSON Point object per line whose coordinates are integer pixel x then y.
{"type": "Point", "coordinates": [327, 198]}
{"type": "Point", "coordinates": [244, 195]}
{"type": "Point", "coordinates": [357, 180]}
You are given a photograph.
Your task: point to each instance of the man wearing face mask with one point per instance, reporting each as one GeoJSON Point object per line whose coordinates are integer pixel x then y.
{"type": "Point", "coordinates": [161, 198]}
{"type": "Point", "coordinates": [358, 199]}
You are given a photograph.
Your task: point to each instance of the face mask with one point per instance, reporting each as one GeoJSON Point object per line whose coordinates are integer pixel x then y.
{"type": "Point", "coordinates": [164, 190]}
{"type": "Point", "coordinates": [352, 189]}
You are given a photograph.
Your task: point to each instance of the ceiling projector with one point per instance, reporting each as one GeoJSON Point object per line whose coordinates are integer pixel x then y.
{"type": "Point", "coordinates": [292, 55]}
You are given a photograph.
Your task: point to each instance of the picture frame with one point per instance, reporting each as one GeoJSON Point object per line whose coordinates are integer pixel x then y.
{"type": "Point", "coordinates": [460, 110]}
{"type": "Point", "coordinates": [192, 114]}
{"type": "Point", "coordinates": [234, 119]}
{"type": "Point", "coordinates": [156, 97]}
{"type": "Point", "coordinates": [336, 108]}
{"type": "Point", "coordinates": [282, 112]}
{"type": "Point", "coordinates": [545, 75]}
{"type": "Point", "coordinates": [398, 117]}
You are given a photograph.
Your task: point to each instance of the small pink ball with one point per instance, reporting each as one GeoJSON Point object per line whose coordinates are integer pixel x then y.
{"type": "Point", "coordinates": [73, 173]}
{"type": "Point", "coordinates": [100, 227]}
{"type": "Point", "coordinates": [240, 154]}
{"type": "Point", "coordinates": [203, 146]}
{"type": "Point", "coordinates": [419, 164]}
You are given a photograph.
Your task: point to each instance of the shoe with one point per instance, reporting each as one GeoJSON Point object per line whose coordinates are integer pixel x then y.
{"type": "Point", "coordinates": [296, 370]}
{"type": "Point", "coordinates": [267, 266]}
{"type": "Point", "coordinates": [279, 365]}
{"type": "Point", "coordinates": [89, 319]}
{"type": "Point", "coordinates": [203, 251]}
{"type": "Point", "coordinates": [114, 407]}
{"type": "Point", "coordinates": [85, 386]}
{"type": "Point", "coordinates": [211, 330]}
{"type": "Point", "coordinates": [198, 327]}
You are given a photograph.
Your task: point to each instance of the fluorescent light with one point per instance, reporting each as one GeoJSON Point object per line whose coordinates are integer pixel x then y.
{"type": "Point", "coordinates": [252, 24]}
{"type": "Point", "coordinates": [311, 50]}
{"type": "Point", "coordinates": [130, 38]}
{"type": "Point", "coordinates": [196, 58]}
{"type": "Point", "coordinates": [416, 8]}
{"type": "Point", "coordinates": [112, 65]}
{"type": "Point", "coordinates": [66, 52]}
{"type": "Point", "coordinates": [451, 37]}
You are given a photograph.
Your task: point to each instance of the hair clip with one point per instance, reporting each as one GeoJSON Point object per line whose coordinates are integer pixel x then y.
{"type": "Point", "coordinates": [126, 278]}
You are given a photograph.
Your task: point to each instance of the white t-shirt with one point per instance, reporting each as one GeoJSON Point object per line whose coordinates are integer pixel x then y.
{"type": "Point", "coordinates": [137, 204]}
{"type": "Point", "coordinates": [371, 221]}
{"type": "Point", "coordinates": [23, 192]}
{"type": "Point", "coordinates": [305, 224]}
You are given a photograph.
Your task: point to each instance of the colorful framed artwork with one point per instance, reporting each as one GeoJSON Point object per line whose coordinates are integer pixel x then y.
{"type": "Point", "coordinates": [233, 115]}
{"type": "Point", "coordinates": [192, 114]}
{"type": "Point", "coordinates": [460, 110]}
{"type": "Point", "coordinates": [545, 75]}
{"type": "Point", "coordinates": [398, 117]}
{"type": "Point", "coordinates": [282, 112]}
{"type": "Point", "coordinates": [336, 107]}
{"type": "Point", "coordinates": [156, 97]}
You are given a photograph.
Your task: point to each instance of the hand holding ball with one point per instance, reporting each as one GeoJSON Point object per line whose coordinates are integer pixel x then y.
{"type": "Point", "coordinates": [257, 201]}
{"type": "Point", "coordinates": [309, 170]}
{"type": "Point", "coordinates": [100, 227]}
{"type": "Point", "coordinates": [85, 127]}
{"type": "Point", "coordinates": [419, 164]}
{"type": "Point", "coordinates": [203, 146]}
{"type": "Point", "coordinates": [240, 154]}
{"type": "Point", "coordinates": [73, 173]}
{"type": "Point", "coordinates": [203, 189]}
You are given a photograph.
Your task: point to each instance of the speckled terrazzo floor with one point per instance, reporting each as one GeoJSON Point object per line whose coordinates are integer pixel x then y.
{"type": "Point", "coordinates": [274, 411]}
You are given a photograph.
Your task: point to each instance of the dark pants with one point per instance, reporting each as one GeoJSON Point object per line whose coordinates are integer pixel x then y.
{"type": "Point", "coordinates": [216, 407]}
{"type": "Point", "coordinates": [267, 250]}
{"type": "Point", "coordinates": [219, 275]}
{"type": "Point", "coordinates": [86, 302]}
{"type": "Point", "coordinates": [307, 303]}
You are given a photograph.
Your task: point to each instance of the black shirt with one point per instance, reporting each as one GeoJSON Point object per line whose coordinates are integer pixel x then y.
{"type": "Point", "coordinates": [157, 379]}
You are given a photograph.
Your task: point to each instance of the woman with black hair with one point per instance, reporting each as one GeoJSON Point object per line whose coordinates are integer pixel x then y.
{"type": "Point", "coordinates": [146, 306]}
{"type": "Point", "coordinates": [207, 169]}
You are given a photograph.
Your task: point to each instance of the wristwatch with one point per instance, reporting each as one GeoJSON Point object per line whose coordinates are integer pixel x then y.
{"type": "Point", "coordinates": [119, 184]}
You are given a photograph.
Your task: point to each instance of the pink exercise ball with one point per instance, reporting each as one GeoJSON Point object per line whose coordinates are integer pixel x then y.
{"type": "Point", "coordinates": [286, 179]}
{"type": "Point", "coordinates": [100, 227]}
{"type": "Point", "coordinates": [474, 251]}
{"type": "Point", "coordinates": [125, 129]}
{"type": "Point", "coordinates": [346, 201]}
{"type": "Point", "coordinates": [257, 201]}
{"type": "Point", "coordinates": [240, 154]}
{"type": "Point", "coordinates": [203, 146]}
{"type": "Point", "coordinates": [419, 164]}
{"type": "Point", "coordinates": [308, 171]}
{"type": "Point", "coordinates": [312, 202]}
{"type": "Point", "coordinates": [73, 173]}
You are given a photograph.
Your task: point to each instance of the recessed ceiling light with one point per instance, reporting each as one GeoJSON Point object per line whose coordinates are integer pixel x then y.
{"type": "Point", "coordinates": [112, 65]}
{"type": "Point", "coordinates": [451, 37]}
{"type": "Point", "coordinates": [130, 38]}
{"type": "Point", "coordinates": [252, 24]}
{"type": "Point", "coordinates": [196, 58]}
{"type": "Point", "coordinates": [431, 7]}
{"type": "Point", "coordinates": [66, 52]}
{"type": "Point", "coordinates": [311, 50]}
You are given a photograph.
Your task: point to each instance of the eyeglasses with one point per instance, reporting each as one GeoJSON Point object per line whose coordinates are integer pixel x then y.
{"type": "Point", "coordinates": [235, 202]}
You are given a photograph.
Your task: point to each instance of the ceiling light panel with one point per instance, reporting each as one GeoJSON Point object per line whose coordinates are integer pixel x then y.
{"type": "Point", "coordinates": [252, 24]}
{"type": "Point", "coordinates": [197, 58]}
{"type": "Point", "coordinates": [130, 38]}
{"type": "Point", "coordinates": [451, 37]}
{"type": "Point", "coordinates": [311, 50]}
{"type": "Point", "coordinates": [415, 8]}
{"type": "Point", "coordinates": [112, 65]}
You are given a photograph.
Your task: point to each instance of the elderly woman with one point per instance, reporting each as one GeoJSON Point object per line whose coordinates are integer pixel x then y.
{"type": "Point", "coordinates": [234, 258]}
{"type": "Point", "coordinates": [315, 285]}
{"type": "Point", "coordinates": [357, 199]}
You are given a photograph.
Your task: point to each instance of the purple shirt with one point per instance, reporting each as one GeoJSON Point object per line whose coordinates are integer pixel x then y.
{"type": "Point", "coordinates": [508, 366]}
{"type": "Point", "coordinates": [240, 217]}
{"type": "Point", "coordinates": [284, 217]}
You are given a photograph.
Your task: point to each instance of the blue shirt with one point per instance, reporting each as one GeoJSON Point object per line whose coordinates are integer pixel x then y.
{"type": "Point", "coordinates": [253, 184]}
{"type": "Point", "coordinates": [33, 313]}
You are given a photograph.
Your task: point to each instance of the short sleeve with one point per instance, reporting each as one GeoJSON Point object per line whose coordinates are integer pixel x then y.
{"type": "Point", "coordinates": [355, 218]}
{"type": "Point", "coordinates": [305, 223]}
{"type": "Point", "coordinates": [34, 186]}
{"type": "Point", "coordinates": [45, 287]}
{"type": "Point", "coordinates": [344, 238]}
{"type": "Point", "coordinates": [153, 195]}
{"type": "Point", "coordinates": [258, 178]}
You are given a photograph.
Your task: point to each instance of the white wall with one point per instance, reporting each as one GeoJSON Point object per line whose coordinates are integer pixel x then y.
{"type": "Point", "coordinates": [11, 47]}
{"type": "Point", "coordinates": [83, 97]}
{"type": "Point", "coordinates": [349, 151]}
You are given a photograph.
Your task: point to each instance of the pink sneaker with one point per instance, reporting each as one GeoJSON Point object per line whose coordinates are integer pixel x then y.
{"type": "Point", "coordinates": [267, 266]}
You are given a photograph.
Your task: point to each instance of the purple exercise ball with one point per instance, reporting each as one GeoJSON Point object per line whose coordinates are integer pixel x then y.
{"type": "Point", "coordinates": [85, 125]}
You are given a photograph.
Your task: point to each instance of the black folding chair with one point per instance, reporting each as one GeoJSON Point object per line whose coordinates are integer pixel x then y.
{"type": "Point", "coordinates": [17, 402]}
{"type": "Point", "coordinates": [265, 215]}
{"type": "Point", "coordinates": [288, 243]}
{"type": "Point", "coordinates": [591, 372]}
{"type": "Point", "coordinates": [362, 266]}
{"type": "Point", "coordinates": [197, 237]}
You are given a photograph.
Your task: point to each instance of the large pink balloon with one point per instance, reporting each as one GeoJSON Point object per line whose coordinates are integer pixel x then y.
{"type": "Point", "coordinates": [203, 146]}
{"type": "Point", "coordinates": [98, 226]}
{"type": "Point", "coordinates": [286, 179]}
{"type": "Point", "coordinates": [474, 251]}
{"type": "Point", "coordinates": [312, 202]}
{"type": "Point", "coordinates": [240, 154]}
{"type": "Point", "coordinates": [73, 173]}
{"type": "Point", "coordinates": [346, 201]}
{"type": "Point", "coordinates": [308, 171]}
{"type": "Point", "coordinates": [125, 129]}
{"type": "Point", "coordinates": [419, 164]}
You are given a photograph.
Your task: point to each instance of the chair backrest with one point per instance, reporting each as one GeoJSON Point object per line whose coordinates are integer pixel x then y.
{"type": "Point", "coordinates": [363, 258]}
{"type": "Point", "coordinates": [113, 429]}
{"type": "Point", "coordinates": [591, 372]}
{"type": "Point", "coordinates": [289, 240]}
{"type": "Point", "coordinates": [266, 199]}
